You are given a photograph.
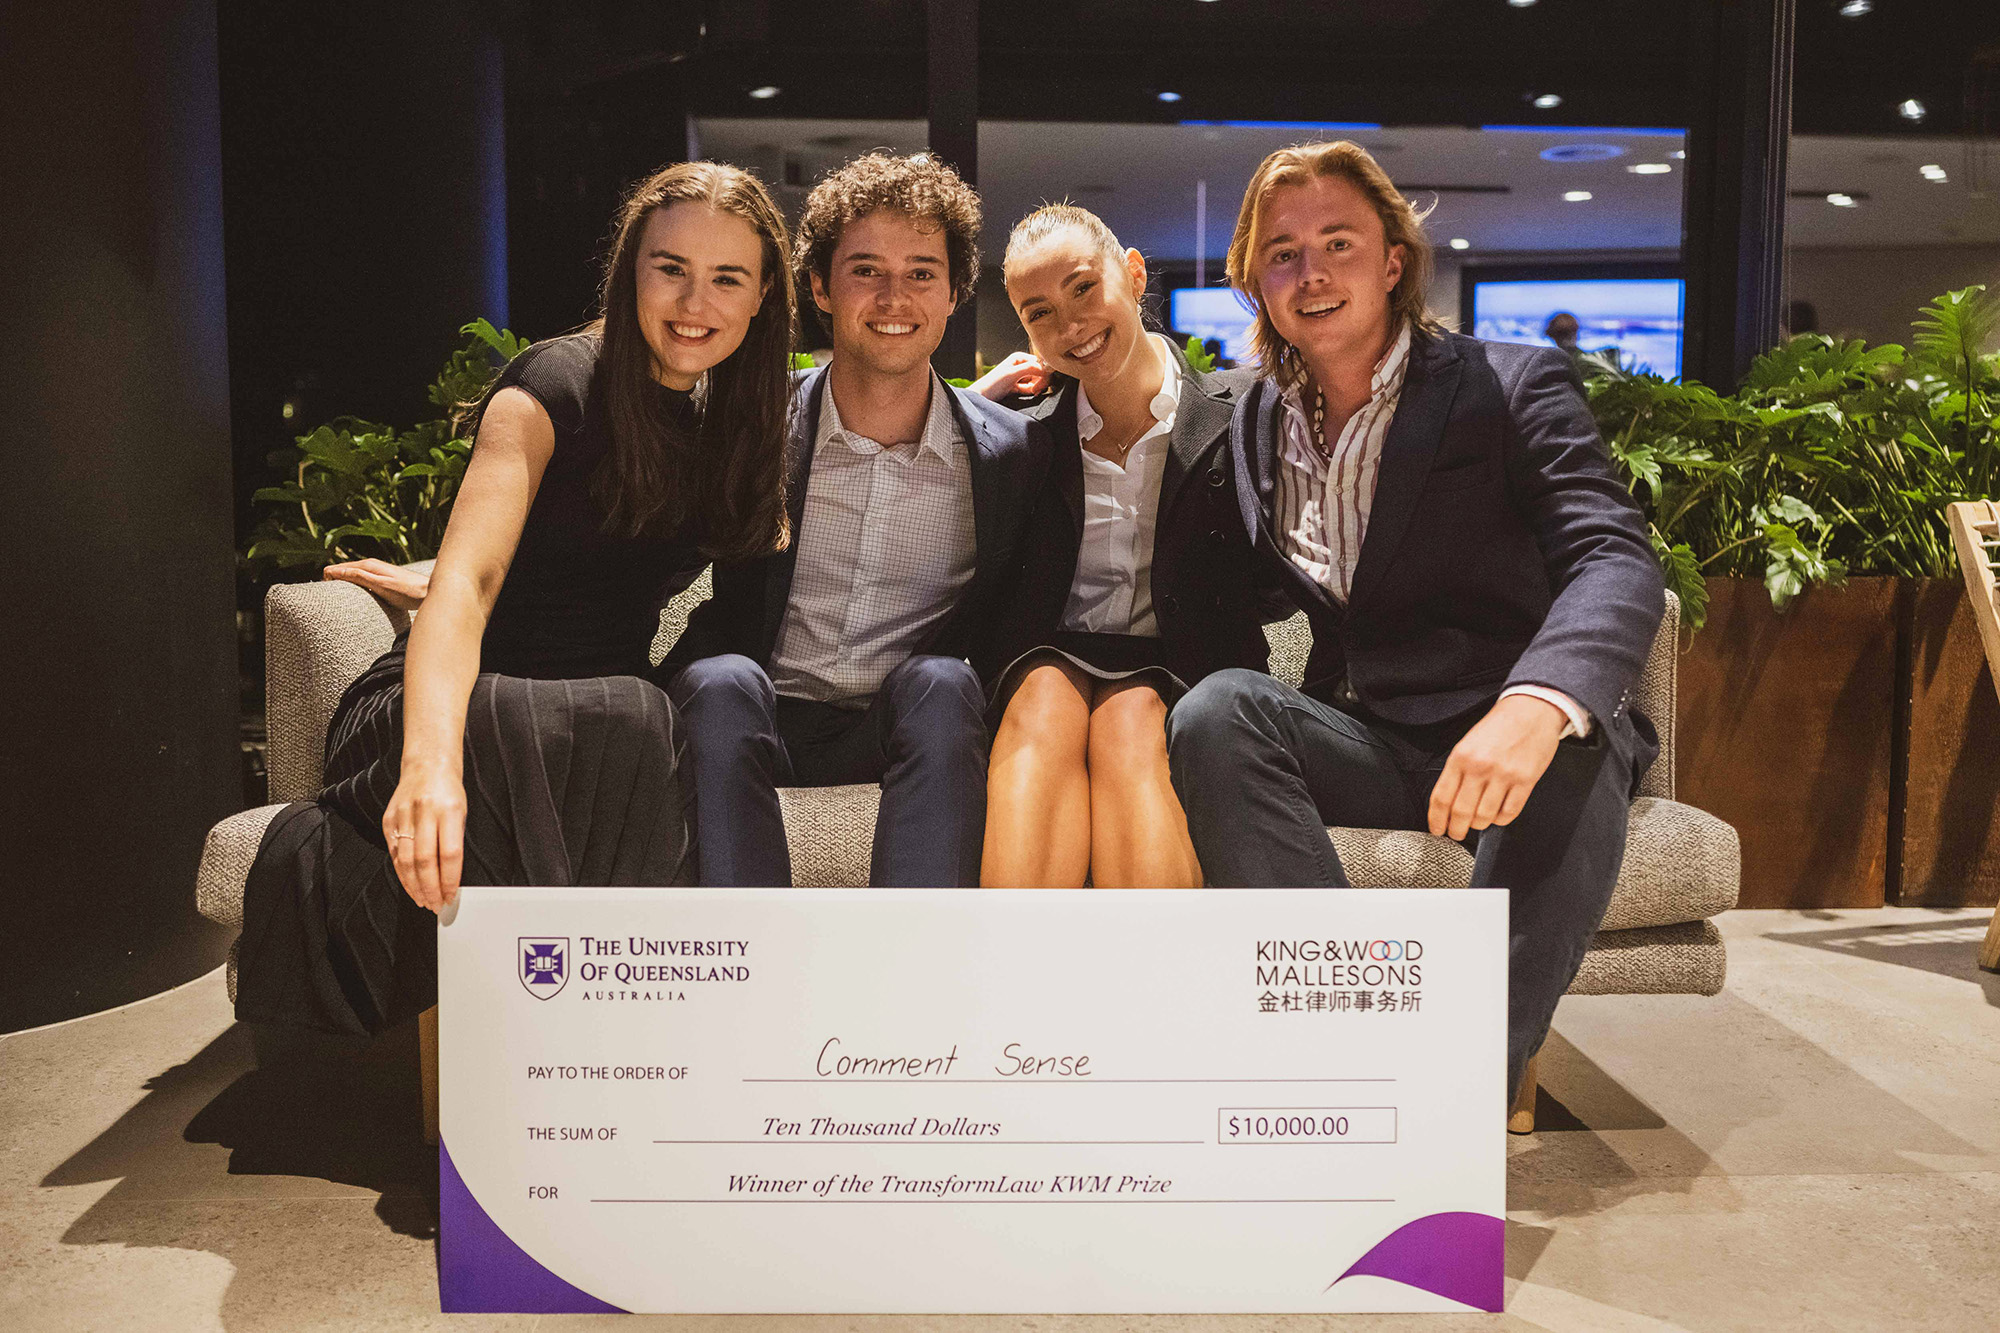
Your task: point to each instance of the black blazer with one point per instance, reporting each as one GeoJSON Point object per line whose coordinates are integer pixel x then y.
{"type": "Point", "coordinates": [1202, 567]}
{"type": "Point", "coordinates": [1008, 456]}
{"type": "Point", "coordinates": [1502, 549]}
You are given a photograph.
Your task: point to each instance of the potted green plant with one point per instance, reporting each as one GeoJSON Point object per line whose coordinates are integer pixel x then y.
{"type": "Point", "coordinates": [357, 488]}
{"type": "Point", "coordinates": [1828, 708]}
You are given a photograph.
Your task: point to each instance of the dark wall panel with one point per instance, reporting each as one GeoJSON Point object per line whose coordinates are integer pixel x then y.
{"type": "Point", "coordinates": [364, 158]}
{"type": "Point", "coordinates": [118, 700]}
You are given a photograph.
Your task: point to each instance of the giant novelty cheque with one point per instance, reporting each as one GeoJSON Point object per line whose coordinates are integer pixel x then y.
{"type": "Point", "coordinates": [977, 1101]}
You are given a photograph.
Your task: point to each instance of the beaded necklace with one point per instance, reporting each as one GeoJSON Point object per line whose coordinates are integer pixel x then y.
{"type": "Point", "coordinates": [1319, 424]}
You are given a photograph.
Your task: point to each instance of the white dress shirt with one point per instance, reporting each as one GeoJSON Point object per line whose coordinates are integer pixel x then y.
{"type": "Point", "coordinates": [885, 546]}
{"type": "Point", "coordinates": [1113, 589]}
{"type": "Point", "coordinates": [1323, 502]}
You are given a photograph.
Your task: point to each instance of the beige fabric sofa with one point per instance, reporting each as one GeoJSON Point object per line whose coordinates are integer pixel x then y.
{"type": "Point", "coordinates": [1681, 868]}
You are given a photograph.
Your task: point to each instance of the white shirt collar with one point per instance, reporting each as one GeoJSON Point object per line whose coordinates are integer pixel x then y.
{"type": "Point", "coordinates": [1165, 403]}
{"type": "Point", "coordinates": [940, 435]}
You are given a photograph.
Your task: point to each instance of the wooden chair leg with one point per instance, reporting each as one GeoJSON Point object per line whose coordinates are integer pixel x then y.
{"type": "Point", "coordinates": [427, 1062]}
{"type": "Point", "coordinates": [1989, 952]}
{"type": "Point", "coordinates": [1521, 1120]}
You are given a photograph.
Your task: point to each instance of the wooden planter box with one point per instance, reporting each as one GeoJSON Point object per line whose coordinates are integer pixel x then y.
{"type": "Point", "coordinates": [1853, 741]}
{"type": "Point", "coordinates": [1785, 726]}
{"type": "Point", "coordinates": [1945, 819]}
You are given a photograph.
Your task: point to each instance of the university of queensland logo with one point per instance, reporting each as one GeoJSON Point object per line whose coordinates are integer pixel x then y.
{"type": "Point", "coordinates": [544, 966]}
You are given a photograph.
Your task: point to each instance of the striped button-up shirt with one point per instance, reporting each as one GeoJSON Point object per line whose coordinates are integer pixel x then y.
{"type": "Point", "coordinates": [885, 546]}
{"type": "Point", "coordinates": [1323, 502]}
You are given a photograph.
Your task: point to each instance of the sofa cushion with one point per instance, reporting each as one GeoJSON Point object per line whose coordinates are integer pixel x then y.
{"type": "Point", "coordinates": [1687, 959]}
{"type": "Point", "coordinates": [674, 615]}
{"type": "Point", "coordinates": [1681, 864]}
{"type": "Point", "coordinates": [831, 831]}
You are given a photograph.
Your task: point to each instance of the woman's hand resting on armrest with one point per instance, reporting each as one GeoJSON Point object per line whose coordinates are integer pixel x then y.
{"type": "Point", "coordinates": [401, 588]}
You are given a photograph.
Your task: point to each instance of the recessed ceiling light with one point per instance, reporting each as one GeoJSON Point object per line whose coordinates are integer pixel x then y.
{"type": "Point", "coordinates": [1576, 196]}
{"type": "Point", "coordinates": [1520, 4]}
{"type": "Point", "coordinates": [1459, 242]}
{"type": "Point", "coordinates": [1547, 101]}
{"type": "Point", "coordinates": [766, 93]}
{"type": "Point", "coordinates": [1933, 172]}
{"type": "Point", "coordinates": [1678, 154]}
{"type": "Point", "coordinates": [1839, 200]}
{"type": "Point", "coordinates": [1912, 110]}
{"type": "Point", "coordinates": [1854, 9]}
{"type": "Point", "coordinates": [1649, 168]}
{"type": "Point", "coordinates": [1170, 97]}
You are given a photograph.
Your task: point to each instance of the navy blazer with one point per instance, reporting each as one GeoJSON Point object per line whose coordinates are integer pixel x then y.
{"type": "Point", "coordinates": [1202, 566]}
{"type": "Point", "coordinates": [1502, 548]}
{"type": "Point", "coordinates": [1008, 455]}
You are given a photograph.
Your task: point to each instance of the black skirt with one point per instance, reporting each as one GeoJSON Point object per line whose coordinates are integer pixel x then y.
{"type": "Point", "coordinates": [1106, 657]}
{"type": "Point", "coordinates": [567, 782]}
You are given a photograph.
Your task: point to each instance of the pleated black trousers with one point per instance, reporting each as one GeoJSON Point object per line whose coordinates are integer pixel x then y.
{"type": "Point", "coordinates": [567, 782]}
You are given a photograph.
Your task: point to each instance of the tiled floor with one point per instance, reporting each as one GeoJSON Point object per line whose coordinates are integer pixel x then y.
{"type": "Point", "coordinates": [1816, 1148]}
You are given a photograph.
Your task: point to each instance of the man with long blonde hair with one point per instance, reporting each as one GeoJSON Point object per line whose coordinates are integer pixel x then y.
{"type": "Point", "coordinates": [1480, 584]}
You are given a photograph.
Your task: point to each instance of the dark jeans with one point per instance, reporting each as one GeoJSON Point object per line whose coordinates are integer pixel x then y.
{"type": "Point", "coordinates": [923, 737]}
{"type": "Point", "coordinates": [1262, 770]}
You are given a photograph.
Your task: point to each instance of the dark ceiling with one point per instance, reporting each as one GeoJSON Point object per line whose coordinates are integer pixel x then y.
{"type": "Point", "coordinates": [1468, 62]}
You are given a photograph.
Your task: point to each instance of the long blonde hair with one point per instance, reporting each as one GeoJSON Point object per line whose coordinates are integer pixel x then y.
{"type": "Point", "coordinates": [1402, 225]}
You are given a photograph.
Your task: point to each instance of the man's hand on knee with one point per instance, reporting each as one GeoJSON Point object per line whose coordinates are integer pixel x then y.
{"type": "Point", "coordinates": [1494, 768]}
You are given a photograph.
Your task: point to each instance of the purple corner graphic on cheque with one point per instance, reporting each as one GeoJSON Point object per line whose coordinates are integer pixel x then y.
{"type": "Point", "coordinates": [482, 1271]}
{"type": "Point", "coordinates": [1461, 1256]}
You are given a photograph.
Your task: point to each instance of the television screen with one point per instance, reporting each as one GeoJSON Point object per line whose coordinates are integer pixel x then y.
{"type": "Point", "coordinates": [1641, 317]}
{"type": "Point", "coordinates": [1213, 312]}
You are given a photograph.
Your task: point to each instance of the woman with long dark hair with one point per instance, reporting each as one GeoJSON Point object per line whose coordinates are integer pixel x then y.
{"type": "Point", "coordinates": [509, 737]}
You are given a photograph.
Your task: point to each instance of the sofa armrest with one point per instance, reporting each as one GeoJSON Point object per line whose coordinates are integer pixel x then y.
{"type": "Point", "coordinates": [318, 637]}
{"type": "Point", "coordinates": [1657, 696]}
{"type": "Point", "coordinates": [225, 864]}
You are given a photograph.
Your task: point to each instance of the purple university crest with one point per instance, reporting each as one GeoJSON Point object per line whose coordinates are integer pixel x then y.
{"type": "Point", "coordinates": [544, 966]}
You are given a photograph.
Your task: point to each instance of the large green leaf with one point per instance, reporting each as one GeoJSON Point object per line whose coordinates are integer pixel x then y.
{"type": "Point", "coordinates": [380, 529]}
{"type": "Point", "coordinates": [501, 341]}
{"type": "Point", "coordinates": [1682, 572]}
{"type": "Point", "coordinates": [1952, 332]}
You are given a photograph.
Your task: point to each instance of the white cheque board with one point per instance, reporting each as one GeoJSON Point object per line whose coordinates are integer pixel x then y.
{"type": "Point", "coordinates": [977, 1101]}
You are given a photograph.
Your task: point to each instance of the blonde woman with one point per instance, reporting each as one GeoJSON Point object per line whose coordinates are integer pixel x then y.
{"type": "Point", "coordinates": [1137, 575]}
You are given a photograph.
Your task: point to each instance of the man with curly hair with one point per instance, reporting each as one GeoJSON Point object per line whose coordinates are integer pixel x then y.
{"type": "Point", "coordinates": [844, 659]}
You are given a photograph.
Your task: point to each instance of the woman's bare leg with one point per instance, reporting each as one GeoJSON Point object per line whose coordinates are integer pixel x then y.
{"type": "Point", "coordinates": [1138, 832]}
{"type": "Point", "coordinates": [1037, 789]}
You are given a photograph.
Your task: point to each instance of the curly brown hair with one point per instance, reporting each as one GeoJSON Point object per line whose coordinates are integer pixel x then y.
{"type": "Point", "coordinates": [919, 185]}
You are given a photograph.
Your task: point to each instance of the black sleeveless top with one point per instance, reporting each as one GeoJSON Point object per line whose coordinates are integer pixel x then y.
{"type": "Point", "coordinates": [578, 602]}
